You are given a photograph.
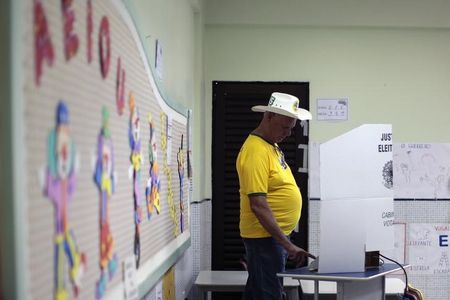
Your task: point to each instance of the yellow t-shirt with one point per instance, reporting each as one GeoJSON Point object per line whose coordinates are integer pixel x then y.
{"type": "Point", "coordinates": [263, 171]}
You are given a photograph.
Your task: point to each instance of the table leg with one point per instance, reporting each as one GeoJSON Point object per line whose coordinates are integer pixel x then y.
{"type": "Point", "coordinates": [203, 294]}
{"type": "Point", "coordinates": [291, 293]}
{"type": "Point", "coordinates": [361, 290]}
{"type": "Point", "coordinates": [316, 289]}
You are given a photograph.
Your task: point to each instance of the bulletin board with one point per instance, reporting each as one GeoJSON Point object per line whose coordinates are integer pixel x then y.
{"type": "Point", "coordinates": [106, 157]}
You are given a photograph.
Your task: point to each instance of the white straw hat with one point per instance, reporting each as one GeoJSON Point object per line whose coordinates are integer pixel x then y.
{"type": "Point", "coordinates": [284, 104]}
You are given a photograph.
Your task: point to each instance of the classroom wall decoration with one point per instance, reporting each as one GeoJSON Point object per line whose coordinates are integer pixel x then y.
{"type": "Point", "coordinates": [134, 136]}
{"type": "Point", "coordinates": [153, 182]}
{"type": "Point", "coordinates": [181, 167]}
{"type": "Point", "coordinates": [100, 165]}
{"type": "Point", "coordinates": [422, 171]}
{"type": "Point", "coordinates": [59, 188]}
{"type": "Point", "coordinates": [428, 246]}
{"type": "Point", "coordinates": [105, 180]}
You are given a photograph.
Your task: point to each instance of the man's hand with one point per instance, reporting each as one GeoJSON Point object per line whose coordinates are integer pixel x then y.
{"type": "Point", "coordinates": [264, 214]}
{"type": "Point", "coordinates": [298, 255]}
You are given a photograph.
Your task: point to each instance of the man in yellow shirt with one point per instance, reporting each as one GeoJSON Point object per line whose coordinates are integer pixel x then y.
{"type": "Point", "coordinates": [270, 200]}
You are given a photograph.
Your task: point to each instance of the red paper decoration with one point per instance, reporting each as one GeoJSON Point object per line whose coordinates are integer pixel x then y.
{"type": "Point", "coordinates": [105, 50]}
{"type": "Point", "coordinates": [70, 38]}
{"type": "Point", "coordinates": [43, 48]}
{"type": "Point", "coordinates": [89, 29]}
{"type": "Point", "coordinates": [120, 88]}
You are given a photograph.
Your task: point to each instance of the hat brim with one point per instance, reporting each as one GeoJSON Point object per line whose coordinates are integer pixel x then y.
{"type": "Point", "coordinates": [302, 114]}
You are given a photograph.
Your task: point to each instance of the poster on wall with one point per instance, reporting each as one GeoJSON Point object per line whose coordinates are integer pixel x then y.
{"type": "Point", "coordinates": [93, 114]}
{"type": "Point", "coordinates": [159, 60]}
{"type": "Point", "coordinates": [428, 248]}
{"type": "Point", "coordinates": [422, 171]}
{"type": "Point", "coordinates": [398, 253]}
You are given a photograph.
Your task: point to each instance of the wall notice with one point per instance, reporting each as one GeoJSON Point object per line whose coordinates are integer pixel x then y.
{"type": "Point", "coordinates": [332, 109]}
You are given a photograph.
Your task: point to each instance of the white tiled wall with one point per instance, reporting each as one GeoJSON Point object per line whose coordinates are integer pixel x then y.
{"type": "Point", "coordinates": [201, 239]}
{"type": "Point", "coordinates": [197, 257]}
{"type": "Point", "coordinates": [435, 287]}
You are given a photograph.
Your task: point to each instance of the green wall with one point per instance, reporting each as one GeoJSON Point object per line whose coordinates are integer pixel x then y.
{"type": "Point", "coordinates": [390, 59]}
{"type": "Point", "coordinates": [7, 265]}
{"type": "Point", "coordinates": [178, 25]}
{"type": "Point", "coordinates": [12, 218]}
{"type": "Point", "coordinates": [390, 75]}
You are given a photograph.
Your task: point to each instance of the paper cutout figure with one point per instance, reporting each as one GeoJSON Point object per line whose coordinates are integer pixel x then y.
{"type": "Point", "coordinates": [153, 183]}
{"type": "Point", "coordinates": [168, 172]}
{"type": "Point", "coordinates": [43, 48]}
{"type": "Point", "coordinates": [120, 87]}
{"type": "Point", "coordinates": [59, 187]}
{"type": "Point", "coordinates": [134, 137]}
{"type": "Point", "coordinates": [105, 181]}
{"type": "Point", "coordinates": [181, 165]}
{"type": "Point", "coordinates": [189, 163]}
{"type": "Point", "coordinates": [89, 29]}
{"type": "Point", "coordinates": [105, 50]}
{"type": "Point", "coordinates": [70, 38]}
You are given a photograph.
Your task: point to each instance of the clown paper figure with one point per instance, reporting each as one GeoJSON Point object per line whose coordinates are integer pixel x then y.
{"type": "Point", "coordinates": [59, 188]}
{"type": "Point", "coordinates": [180, 161]}
{"type": "Point", "coordinates": [134, 137]}
{"type": "Point", "coordinates": [105, 181]}
{"type": "Point", "coordinates": [153, 183]}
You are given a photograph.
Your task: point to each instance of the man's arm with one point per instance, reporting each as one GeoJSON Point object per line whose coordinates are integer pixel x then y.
{"type": "Point", "coordinates": [261, 209]}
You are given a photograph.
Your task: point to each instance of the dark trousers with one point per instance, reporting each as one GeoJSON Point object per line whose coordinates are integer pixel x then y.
{"type": "Point", "coordinates": [265, 258]}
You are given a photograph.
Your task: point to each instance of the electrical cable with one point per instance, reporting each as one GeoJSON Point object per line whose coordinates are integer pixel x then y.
{"type": "Point", "coordinates": [404, 271]}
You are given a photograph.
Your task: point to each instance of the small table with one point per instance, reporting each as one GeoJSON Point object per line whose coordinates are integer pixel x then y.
{"type": "Point", "coordinates": [234, 281]}
{"type": "Point", "coordinates": [368, 285]}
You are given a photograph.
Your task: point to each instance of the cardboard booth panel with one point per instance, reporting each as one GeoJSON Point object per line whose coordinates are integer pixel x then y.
{"type": "Point", "coordinates": [379, 221]}
{"type": "Point", "coordinates": [342, 236]}
{"type": "Point", "coordinates": [356, 188]}
{"type": "Point", "coordinates": [357, 164]}
{"type": "Point", "coordinates": [351, 227]}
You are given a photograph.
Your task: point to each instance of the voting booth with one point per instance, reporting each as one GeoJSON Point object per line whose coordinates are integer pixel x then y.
{"type": "Point", "coordinates": [356, 186]}
{"type": "Point", "coordinates": [356, 213]}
